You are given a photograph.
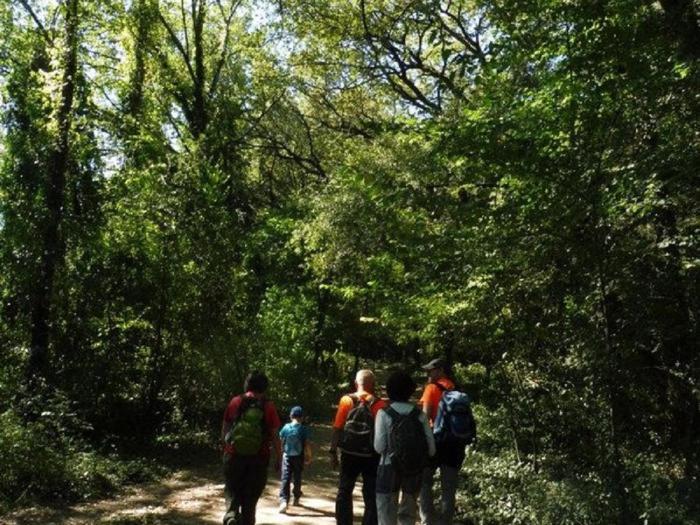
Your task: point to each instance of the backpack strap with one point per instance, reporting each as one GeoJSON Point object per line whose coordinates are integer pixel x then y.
{"type": "Point", "coordinates": [356, 400]}
{"type": "Point", "coordinates": [263, 421]}
{"type": "Point", "coordinates": [391, 412]}
{"type": "Point", "coordinates": [442, 387]}
{"type": "Point", "coordinates": [246, 402]}
{"type": "Point", "coordinates": [242, 407]}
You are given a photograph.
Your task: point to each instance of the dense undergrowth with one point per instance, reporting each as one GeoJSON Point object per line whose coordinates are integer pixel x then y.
{"type": "Point", "coordinates": [38, 464]}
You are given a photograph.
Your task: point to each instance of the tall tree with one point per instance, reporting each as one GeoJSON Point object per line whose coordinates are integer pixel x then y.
{"type": "Point", "coordinates": [52, 242]}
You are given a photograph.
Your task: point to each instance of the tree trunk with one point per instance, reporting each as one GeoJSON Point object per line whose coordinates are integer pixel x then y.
{"type": "Point", "coordinates": [134, 97]}
{"type": "Point", "coordinates": [199, 112]}
{"type": "Point", "coordinates": [683, 23]}
{"type": "Point", "coordinates": [319, 327]}
{"type": "Point", "coordinates": [612, 380]}
{"type": "Point", "coordinates": [52, 241]}
{"type": "Point", "coordinates": [678, 338]}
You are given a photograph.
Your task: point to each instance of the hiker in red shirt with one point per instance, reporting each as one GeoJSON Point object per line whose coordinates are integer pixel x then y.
{"type": "Point", "coordinates": [249, 429]}
{"type": "Point", "coordinates": [353, 434]}
{"type": "Point", "coordinates": [448, 458]}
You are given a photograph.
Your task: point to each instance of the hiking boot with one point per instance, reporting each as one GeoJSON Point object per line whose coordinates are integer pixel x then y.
{"type": "Point", "coordinates": [283, 507]}
{"type": "Point", "coordinates": [233, 520]}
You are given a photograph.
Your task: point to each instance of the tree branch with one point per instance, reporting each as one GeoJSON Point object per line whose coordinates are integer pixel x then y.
{"type": "Point", "coordinates": [40, 27]}
{"type": "Point", "coordinates": [224, 46]}
{"type": "Point", "coordinates": [176, 42]}
{"type": "Point", "coordinates": [184, 28]}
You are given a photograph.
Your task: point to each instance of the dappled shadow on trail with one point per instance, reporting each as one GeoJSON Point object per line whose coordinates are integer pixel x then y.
{"type": "Point", "coordinates": [193, 495]}
{"type": "Point", "coordinates": [179, 499]}
{"type": "Point", "coordinates": [319, 489]}
{"type": "Point", "coordinates": [311, 512]}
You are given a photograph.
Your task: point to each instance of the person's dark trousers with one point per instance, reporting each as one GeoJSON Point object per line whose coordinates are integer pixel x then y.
{"type": "Point", "coordinates": [291, 472]}
{"type": "Point", "coordinates": [245, 478]}
{"type": "Point", "coordinates": [448, 459]}
{"type": "Point", "coordinates": [350, 468]}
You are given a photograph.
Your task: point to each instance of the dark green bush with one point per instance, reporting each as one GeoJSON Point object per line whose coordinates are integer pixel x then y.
{"type": "Point", "coordinates": [39, 463]}
{"type": "Point", "coordinates": [503, 485]}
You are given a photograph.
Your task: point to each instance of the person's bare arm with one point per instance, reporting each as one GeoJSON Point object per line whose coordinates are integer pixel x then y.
{"type": "Point", "coordinates": [277, 446]}
{"type": "Point", "coordinates": [335, 439]}
{"type": "Point", "coordinates": [225, 427]}
{"type": "Point", "coordinates": [227, 423]}
{"type": "Point", "coordinates": [308, 452]}
{"type": "Point", "coordinates": [425, 406]}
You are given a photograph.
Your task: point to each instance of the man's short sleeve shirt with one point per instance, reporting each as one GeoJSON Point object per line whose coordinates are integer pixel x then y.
{"type": "Point", "coordinates": [432, 395]}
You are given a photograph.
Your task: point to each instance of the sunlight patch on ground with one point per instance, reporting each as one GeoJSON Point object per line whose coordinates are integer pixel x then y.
{"type": "Point", "coordinates": [195, 496]}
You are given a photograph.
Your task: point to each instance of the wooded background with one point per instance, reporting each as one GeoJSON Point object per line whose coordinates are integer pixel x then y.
{"type": "Point", "coordinates": [191, 189]}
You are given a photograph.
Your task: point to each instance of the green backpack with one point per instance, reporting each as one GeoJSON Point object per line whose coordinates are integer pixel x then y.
{"type": "Point", "coordinates": [248, 430]}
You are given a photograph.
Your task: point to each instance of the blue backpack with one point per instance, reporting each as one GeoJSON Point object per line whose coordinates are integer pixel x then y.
{"type": "Point", "coordinates": [454, 422]}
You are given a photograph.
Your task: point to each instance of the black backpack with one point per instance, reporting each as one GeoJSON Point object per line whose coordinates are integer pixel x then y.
{"type": "Point", "coordinates": [408, 446]}
{"type": "Point", "coordinates": [358, 433]}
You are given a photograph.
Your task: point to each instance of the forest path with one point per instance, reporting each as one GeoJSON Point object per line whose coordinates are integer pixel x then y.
{"type": "Point", "coordinates": [194, 495]}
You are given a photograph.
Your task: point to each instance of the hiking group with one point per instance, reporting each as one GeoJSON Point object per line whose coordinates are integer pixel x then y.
{"type": "Point", "coordinates": [392, 444]}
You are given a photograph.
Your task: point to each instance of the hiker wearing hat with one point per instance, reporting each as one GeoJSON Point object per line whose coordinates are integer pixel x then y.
{"type": "Point", "coordinates": [297, 452]}
{"type": "Point", "coordinates": [450, 417]}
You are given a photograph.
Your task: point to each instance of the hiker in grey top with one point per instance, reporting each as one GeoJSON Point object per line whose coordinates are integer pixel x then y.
{"type": "Point", "coordinates": [404, 440]}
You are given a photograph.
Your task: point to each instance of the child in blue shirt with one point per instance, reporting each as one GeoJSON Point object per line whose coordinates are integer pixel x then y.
{"type": "Point", "coordinates": [297, 452]}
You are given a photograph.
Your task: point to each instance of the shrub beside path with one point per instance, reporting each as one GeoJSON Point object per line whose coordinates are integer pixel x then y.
{"type": "Point", "coordinates": [193, 495]}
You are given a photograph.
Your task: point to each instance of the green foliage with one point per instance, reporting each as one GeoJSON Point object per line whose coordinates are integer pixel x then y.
{"type": "Point", "coordinates": [503, 489]}
{"type": "Point", "coordinates": [287, 343]}
{"type": "Point", "coordinates": [42, 461]}
{"type": "Point", "coordinates": [507, 184]}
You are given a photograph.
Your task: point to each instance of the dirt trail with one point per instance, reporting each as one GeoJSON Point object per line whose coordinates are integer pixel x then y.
{"type": "Point", "coordinates": [194, 496]}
